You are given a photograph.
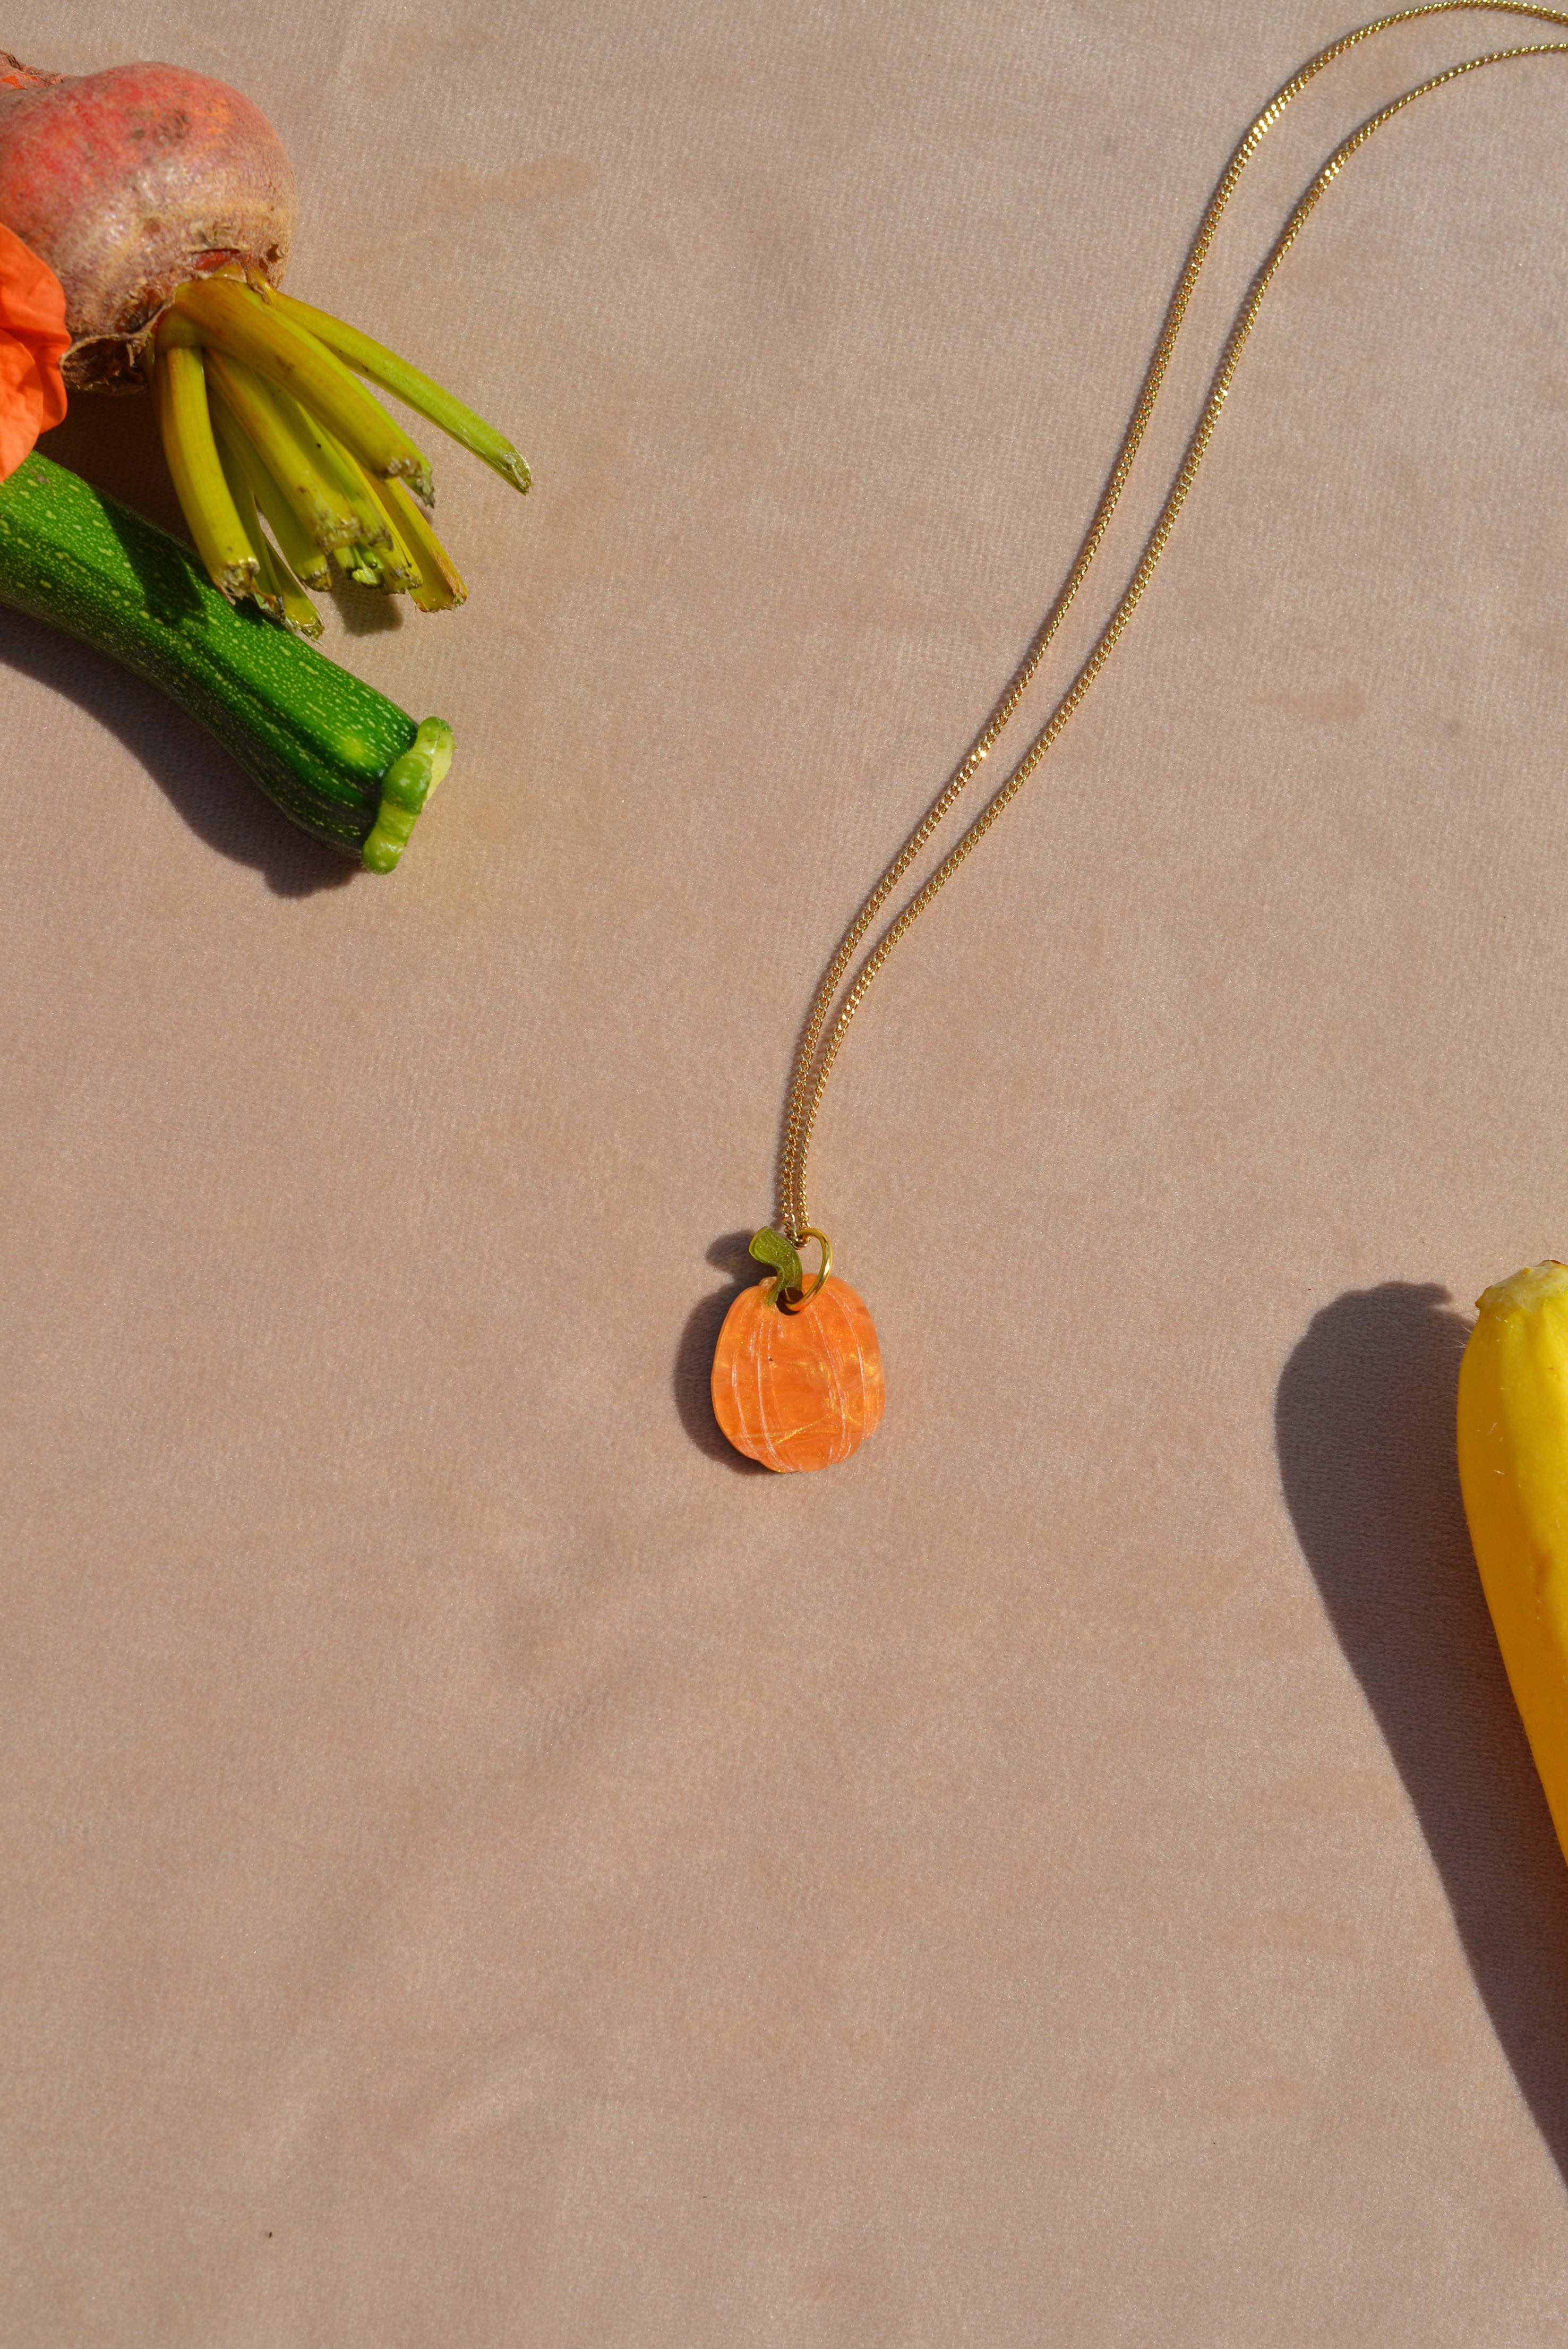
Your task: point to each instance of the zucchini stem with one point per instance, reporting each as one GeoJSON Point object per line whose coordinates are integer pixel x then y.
{"type": "Point", "coordinates": [406, 786]}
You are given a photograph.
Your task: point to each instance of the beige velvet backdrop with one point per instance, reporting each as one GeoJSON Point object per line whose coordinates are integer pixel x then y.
{"type": "Point", "coordinates": [481, 1866]}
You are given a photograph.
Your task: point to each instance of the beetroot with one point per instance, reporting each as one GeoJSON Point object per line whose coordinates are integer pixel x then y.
{"type": "Point", "coordinates": [129, 183]}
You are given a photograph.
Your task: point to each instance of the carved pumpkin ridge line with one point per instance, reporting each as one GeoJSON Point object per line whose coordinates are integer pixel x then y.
{"type": "Point", "coordinates": [762, 1349]}
{"type": "Point", "coordinates": [842, 1408]}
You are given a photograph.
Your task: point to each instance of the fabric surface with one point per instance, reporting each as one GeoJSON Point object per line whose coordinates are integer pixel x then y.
{"type": "Point", "coordinates": [483, 1864]}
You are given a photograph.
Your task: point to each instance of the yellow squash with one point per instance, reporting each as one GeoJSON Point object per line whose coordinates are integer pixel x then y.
{"type": "Point", "coordinates": [1513, 1474]}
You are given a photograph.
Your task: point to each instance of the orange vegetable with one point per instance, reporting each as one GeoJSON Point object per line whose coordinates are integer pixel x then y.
{"type": "Point", "coordinates": [32, 341]}
{"type": "Point", "coordinates": [129, 184]}
{"type": "Point", "coordinates": [797, 1389]}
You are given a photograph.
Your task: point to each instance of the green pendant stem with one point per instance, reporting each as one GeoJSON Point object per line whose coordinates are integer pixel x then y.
{"type": "Point", "coordinates": [788, 1290]}
{"type": "Point", "coordinates": [769, 1247]}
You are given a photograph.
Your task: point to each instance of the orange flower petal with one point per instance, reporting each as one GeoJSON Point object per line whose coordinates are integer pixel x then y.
{"type": "Point", "coordinates": [21, 403]}
{"type": "Point", "coordinates": [32, 299]}
{"type": "Point", "coordinates": [34, 338]}
{"type": "Point", "coordinates": [52, 393]}
{"type": "Point", "coordinates": [18, 434]}
{"type": "Point", "coordinates": [18, 365]}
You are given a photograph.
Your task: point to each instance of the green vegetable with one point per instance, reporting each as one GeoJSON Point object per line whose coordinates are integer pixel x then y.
{"type": "Point", "coordinates": [343, 762]}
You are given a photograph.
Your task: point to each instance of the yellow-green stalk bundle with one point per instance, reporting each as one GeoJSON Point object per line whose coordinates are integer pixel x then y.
{"type": "Point", "coordinates": [264, 418]}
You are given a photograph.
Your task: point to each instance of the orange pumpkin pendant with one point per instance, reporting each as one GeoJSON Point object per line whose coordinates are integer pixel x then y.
{"type": "Point", "coordinates": [797, 1372]}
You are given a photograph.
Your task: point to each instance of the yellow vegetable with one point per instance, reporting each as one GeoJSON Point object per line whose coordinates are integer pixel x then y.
{"type": "Point", "coordinates": [1513, 1474]}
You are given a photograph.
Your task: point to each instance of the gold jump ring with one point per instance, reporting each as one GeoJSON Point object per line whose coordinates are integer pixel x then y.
{"type": "Point", "coordinates": [796, 1302]}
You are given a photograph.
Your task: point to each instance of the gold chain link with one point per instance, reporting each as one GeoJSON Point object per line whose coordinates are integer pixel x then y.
{"type": "Point", "coordinates": [814, 1058]}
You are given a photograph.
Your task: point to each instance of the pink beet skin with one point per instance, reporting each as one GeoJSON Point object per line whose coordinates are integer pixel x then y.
{"type": "Point", "coordinates": [128, 183]}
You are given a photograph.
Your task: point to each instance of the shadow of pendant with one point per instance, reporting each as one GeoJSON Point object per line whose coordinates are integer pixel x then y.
{"type": "Point", "coordinates": [693, 1379]}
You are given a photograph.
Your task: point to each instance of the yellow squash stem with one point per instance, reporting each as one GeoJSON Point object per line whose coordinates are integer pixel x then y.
{"type": "Point", "coordinates": [1513, 1474]}
{"type": "Point", "coordinates": [181, 386]}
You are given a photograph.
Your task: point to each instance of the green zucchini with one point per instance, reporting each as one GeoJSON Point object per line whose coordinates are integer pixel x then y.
{"type": "Point", "coordinates": [340, 761]}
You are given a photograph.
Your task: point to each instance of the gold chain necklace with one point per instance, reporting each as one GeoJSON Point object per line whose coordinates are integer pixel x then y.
{"type": "Point", "coordinates": [796, 1374]}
